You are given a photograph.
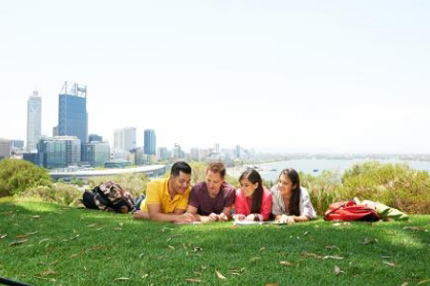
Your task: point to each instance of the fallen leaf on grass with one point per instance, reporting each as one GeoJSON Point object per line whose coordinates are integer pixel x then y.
{"type": "Point", "coordinates": [92, 225]}
{"type": "Point", "coordinates": [193, 280]}
{"type": "Point", "coordinates": [36, 216]}
{"type": "Point", "coordinates": [48, 272]}
{"type": "Point", "coordinates": [337, 270]}
{"type": "Point", "coordinates": [404, 284]}
{"type": "Point", "coordinates": [172, 237]}
{"type": "Point", "coordinates": [389, 263]}
{"type": "Point", "coordinates": [332, 247]}
{"type": "Point", "coordinates": [236, 271]}
{"type": "Point", "coordinates": [310, 254]}
{"type": "Point", "coordinates": [306, 233]}
{"type": "Point", "coordinates": [43, 240]}
{"type": "Point", "coordinates": [121, 279]}
{"type": "Point", "coordinates": [72, 238]}
{"type": "Point", "coordinates": [3, 236]}
{"type": "Point", "coordinates": [423, 281]}
{"type": "Point", "coordinates": [263, 248]}
{"type": "Point", "coordinates": [18, 242]}
{"type": "Point", "coordinates": [369, 241]}
{"type": "Point", "coordinates": [333, 257]}
{"type": "Point", "coordinates": [171, 247]}
{"type": "Point", "coordinates": [141, 255]}
{"type": "Point", "coordinates": [146, 275]}
{"type": "Point", "coordinates": [271, 284]}
{"type": "Point", "coordinates": [255, 258]}
{"type": "Point", "coordinates": [285, 263]}
{"type": "Point", "coordinates": [220, 276]}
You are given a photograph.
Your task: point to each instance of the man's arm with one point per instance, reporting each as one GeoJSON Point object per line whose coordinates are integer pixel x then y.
{"type": "Point", "coordinates": [155, 214]}
{"type": "Point", "coordinates": [193, 210]}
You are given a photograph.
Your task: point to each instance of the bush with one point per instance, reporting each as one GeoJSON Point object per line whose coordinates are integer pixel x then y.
{"type": "Point", "coordinates": [396, 185]}
{"type": "Point", "coordinates": [18, 175]}
{"type": "Point", "coordinates": [323, 189]}
{"type": "Point", "coordinates": [60, 193]}
{"type": "Point", "coordinates": [134, 183]}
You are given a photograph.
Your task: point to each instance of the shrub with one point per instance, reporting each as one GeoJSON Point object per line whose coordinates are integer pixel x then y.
{"type": "Point", "coordinates": [134, 183]}
{"type": "Point", "coordinates": [323, 189]}
{"type": "Point", "coordinates": [18, 175]}
{"type": "Point", "coordinates": [60, 193]}
{"type": "Point", "coordinates": [396, 185]}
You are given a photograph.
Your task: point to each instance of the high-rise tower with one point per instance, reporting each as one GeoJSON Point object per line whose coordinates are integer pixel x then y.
{"type": "Point", "coordinates": [149, 147]}
{"type": "Point", "coordinates": [34, 121]}
{"type": "Point", "coordinates": [72, 115]}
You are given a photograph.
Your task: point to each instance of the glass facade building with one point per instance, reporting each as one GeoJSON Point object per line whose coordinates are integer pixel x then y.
{"type": "Point", "coordinates": [149, 147]}
{"type": "Point", "coordinates": [59, 152]}
{"type": "Point", "coordinates": [96, 153]}
{"type": "Point", "coordinates": [72, 114]}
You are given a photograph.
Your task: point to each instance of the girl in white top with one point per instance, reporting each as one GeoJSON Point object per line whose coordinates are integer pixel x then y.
{"type": "Point", "coordinates": [290, 202]}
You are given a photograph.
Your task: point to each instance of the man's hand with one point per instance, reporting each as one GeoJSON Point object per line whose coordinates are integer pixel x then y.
{"type": "Point", "coordinates": [185, 218]}
{"type": "Point", "coordinates": [222, 217]}
{"type": "Point", "coordinates": [213, 217]}
{"type": "Point", "coordinates": [238, 217]}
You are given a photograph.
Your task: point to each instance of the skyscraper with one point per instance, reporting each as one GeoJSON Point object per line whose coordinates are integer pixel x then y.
{"type": "Point", "coordinates": [34, 121]}
{"type": "Point", "coordinates": [149, 147]}
{"type": "Point", "coordinates": [59, 152]}
{"type": "Point", "coordinates": [4, 148]}
{"type": "Point", "coordinates": [124, 139]}
{"type": "Point", "coordinates": [72, 115]}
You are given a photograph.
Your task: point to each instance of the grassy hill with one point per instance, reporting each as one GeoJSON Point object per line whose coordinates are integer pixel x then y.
{"type": "Point", "coordinates": [48, 244]}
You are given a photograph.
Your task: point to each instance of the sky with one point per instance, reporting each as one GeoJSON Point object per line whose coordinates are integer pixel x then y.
{"type": "Point", "coordinates": [278, 76]}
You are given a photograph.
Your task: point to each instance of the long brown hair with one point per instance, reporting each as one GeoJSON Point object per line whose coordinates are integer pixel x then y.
{"type": "Point", "coordinates": [295, 197]}
{"type": "Point", "coordinates": [254, 177]}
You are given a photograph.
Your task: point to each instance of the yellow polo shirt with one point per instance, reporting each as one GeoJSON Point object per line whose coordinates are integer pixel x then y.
{"type": "Point", "coordinates": [157, 193]}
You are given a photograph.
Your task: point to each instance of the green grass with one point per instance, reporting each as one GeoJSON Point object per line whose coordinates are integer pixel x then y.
{"type": "Point", "coordinates": [47, 244]}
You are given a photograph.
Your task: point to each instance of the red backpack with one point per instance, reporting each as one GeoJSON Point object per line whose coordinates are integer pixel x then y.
{"type": "Point", "coordinates": [349, 211]}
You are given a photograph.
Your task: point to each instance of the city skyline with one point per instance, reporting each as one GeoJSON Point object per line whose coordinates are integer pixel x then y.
{"type": "Point", "coordinates": [283, 76]}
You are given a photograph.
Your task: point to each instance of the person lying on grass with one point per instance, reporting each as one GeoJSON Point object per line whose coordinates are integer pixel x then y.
{"type": "Point", "coordinates": [212, 199]}
{"type": "Point", "coordinates": [253, 200]}
{"type": "Point", "coordinates": [290, 202]}
{"type": "Point", "coordinates": [167, 199]}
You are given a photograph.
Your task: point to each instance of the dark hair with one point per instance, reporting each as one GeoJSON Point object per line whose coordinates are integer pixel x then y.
{"type": "Point", "coordinates": [217, 167]}
{"type": "Point", "coordinates": [295, 197]}
{"type": "Point", "coordinates": [180, 166]}
{"type": "Point", "coordinates": [254, 177]}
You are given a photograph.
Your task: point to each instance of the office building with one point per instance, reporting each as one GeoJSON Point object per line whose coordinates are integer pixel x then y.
{"type": "Point", "coordinates": [5, 149]}
{"type": "Point", "coordinates": [124, 139]}
{"type": "Point", "coordinates": [149, 147]}
{"type": "Point", "coordinates": [72, 115]}
{"type": "Point", "coordinates": [59, 152]}
{"type": "Point", "coordinates": [34, 121]}
{"type": "Point", "coordinates": [17, 144]}
{"type": "Point", "coordinates": [95, 153]}
{"type": "Point", "coordinates": [95, 137]}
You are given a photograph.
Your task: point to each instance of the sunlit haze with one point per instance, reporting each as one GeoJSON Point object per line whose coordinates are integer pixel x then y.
{"type": "Point", "coordinates": [277, 76]}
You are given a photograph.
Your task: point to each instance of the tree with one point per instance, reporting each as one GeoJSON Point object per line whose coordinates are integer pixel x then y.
{"type": "Point", "coordinates": [18, 175]}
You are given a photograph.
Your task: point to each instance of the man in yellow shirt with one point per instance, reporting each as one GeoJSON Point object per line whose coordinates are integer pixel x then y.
{"type": "Point", "coordinates": [167, 199]}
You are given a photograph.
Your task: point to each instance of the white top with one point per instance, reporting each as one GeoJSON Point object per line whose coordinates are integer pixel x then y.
{"type": "Point", "coordinates": [306, 207]}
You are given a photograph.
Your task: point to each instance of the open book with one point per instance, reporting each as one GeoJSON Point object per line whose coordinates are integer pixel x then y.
{"type": "Point", "coordinates": [247, 222]}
